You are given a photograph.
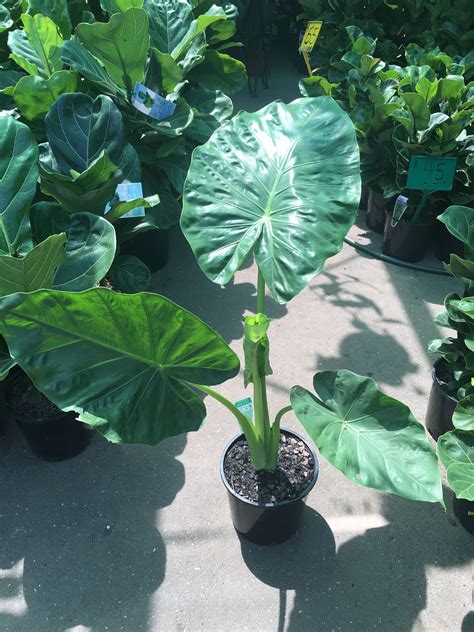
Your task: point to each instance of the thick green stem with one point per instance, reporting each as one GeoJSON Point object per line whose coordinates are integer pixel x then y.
{"type": "Point", "coordinates": [280, 414]}
{"type": "Point", "coordinates": [260, 293]}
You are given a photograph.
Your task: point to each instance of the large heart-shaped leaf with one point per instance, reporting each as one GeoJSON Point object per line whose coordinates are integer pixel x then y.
{"type": "Point", "coordinates": [219, 71]}
{"type": "Point", "coordinates": [80, 128]}
{"type": "Point", "coordinates": [211, 108]}
{"type": "Point", "coordinates": [456, 453]}
{"type": "Point", "coordinates": [34, 95]}
{"type": "Point", "coordinates": [34, 271]}
{"type": "Point", "coordinates": [18, 178]}
{"type": "Point", "coordinates": [90, 251]}
{"type": "Point", "coordinates": [121, 45]}
{"type": "Point", "coordinates": [284, 183]}
{"type": "Point", "coordinates": [122, 361]}
{"type": "Point", "coordinates": [372, 438]}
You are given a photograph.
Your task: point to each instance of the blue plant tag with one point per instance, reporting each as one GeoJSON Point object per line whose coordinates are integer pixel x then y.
{"type": "Point", "coordinates": [151, 104]}
{"type": "Point", "coordinates": [125, 192]}
{"type": "Point", "coordinates": [399, 209]}
{"type": "Point", "coordinates": [246, 407]}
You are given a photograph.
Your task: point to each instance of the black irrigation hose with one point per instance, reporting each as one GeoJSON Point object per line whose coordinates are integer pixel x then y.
{"type": "Point", "coordinates": [397, 262]}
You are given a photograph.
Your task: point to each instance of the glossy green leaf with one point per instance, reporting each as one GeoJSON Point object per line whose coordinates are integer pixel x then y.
{"type": "Point", "coordinates": [211, 108]}
{"type": "Point", "coordinates": [34, 271]}
{"type": "Point", "coordinates": [256, 347]}
{"type": "Point", "coordinates": [121, 45]}
{"type": "Point", "coordinates": [169, 23]}
{"type": "Point", "coordinates": [120, 6]}
{"type": "Point", "coordinates": [372, 438]}
{"type": "Point", "coordinates": [198, 26]}
{"type": "Point", "coordinates": [283, 183]}
{"type": "Point", "coordinates": [176, 167]}
{"type": "Point", "coordinates": [122, 208]}
{"type": "Point", "coordinates": [90, 251]}
{"type": "Point", "coordinates": [170, 71]}
{"type": "Point", "coordinates": [48, 218]}
{"type": "Point", "coordinates": [36, 49]}
{"type": "Point", "coordinates": [459, 220]}
{"type": "Point", "coordinates": [456, 453]}
{"type": "Point", "coordinates": [6, 21]}
{"type": "Point", "coordinates": [129, 274]}
{"type": "Point", "coordinates": [219, 71]}
{"type": "Point", "coordinates": [122, 361]}
{"type": "Point", "coordinates": [463, 416]}
{"type": "Point", "coordinates": [171, 127]}
{"type": "Point", "coordinates": [18, 178]}
{"type": "Point", "coordinates": [57, 10]}
{"type": "Point", "coordinates": [34, 95]}
{"type": "Point", "coordinates": [9, 79]}
{"type": "Point", "coordinates": [6, 361]}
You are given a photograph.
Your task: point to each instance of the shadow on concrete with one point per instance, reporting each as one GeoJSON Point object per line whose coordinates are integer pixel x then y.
{"type": "Point", "coordinates": [79, 543]}
{"type": "Point", "coordinates": [377, 580]}
{"type": "Point", "coordinates": [222, 307]}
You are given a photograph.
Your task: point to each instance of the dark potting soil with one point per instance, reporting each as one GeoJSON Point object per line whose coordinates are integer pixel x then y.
{"type": "Point", "coordinates": [294, 471]}
{"type": "Point", "coordinates": [28, 402]}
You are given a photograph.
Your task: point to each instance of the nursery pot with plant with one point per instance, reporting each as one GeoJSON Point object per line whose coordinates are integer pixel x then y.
{"type": "Point", "coordinates": [283, 185]}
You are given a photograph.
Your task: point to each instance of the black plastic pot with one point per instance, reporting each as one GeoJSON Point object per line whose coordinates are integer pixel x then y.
{"type": "Point", "coordinates": [364, 197]}
{"type": "Point", "coordinates": [267, 523]}
{"type": "Point", "coordinates": [447, 244]}
{"type": "Point", "coordinates": [152, 247]}
{"type": "Point", "coordinates": [462, 508]}
{"type": "Point", "coordinates": [375, 217]}
{"type": "Point", "coordinates": [441, 405]}
{"type": "Point", "coordinates": [407, 241]}
{"type": "Point", "coordinates": [54, 439]}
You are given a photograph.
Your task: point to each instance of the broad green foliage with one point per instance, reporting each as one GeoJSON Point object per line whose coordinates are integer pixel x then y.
{"type": "Point", "coordinates": [459, 220]}
{"type": "Point", "coordinates": [372, 438]}
{"type": "Point", "coordinates": [125, 362]}
{"type": "Point", "coordinates": [129, 274]}
{"type": "Point", "coordinates": [57, 10]}
{"type": "Point", "coordinates": [36, 49]}
{"type": "Point", "coordinates": [456, 452]}
{"type": "Point", "coordinates": [219, 71]}
{"type": "Point", "coordinates": [283, 192]}
{"type": "Point", "coordinates": [34, 96]}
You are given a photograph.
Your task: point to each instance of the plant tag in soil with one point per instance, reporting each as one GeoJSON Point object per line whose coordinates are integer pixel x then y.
{"type": "Point", "coordinates": [125, 192]}
{"type": "Point", "coordinates": [151, 104]}
{"type": "Point", "coordinates": [310, 36]}
{"type": "Point", "coordinates": [431, 173]}
{"type": "Point", "coordinates": [400, 207]}
{"type": "Point", "coordinates": [246, 407]}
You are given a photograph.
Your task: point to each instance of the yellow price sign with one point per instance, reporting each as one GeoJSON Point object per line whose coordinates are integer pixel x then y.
{"type": "Point", "coordinates": [310, 36]}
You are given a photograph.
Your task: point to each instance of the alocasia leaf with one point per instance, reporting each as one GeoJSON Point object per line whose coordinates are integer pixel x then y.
{"type": "Point", "coordinates": [372, 438]}
{"type": "Point", "coordinates": [283, 183]}
{"type": "Point", "coordinates": [124, 362]}
{"type": "Point", "coordinates": [129, 274]}
{"type": "Point", "coordinates": [456, 453]}
{"type": "Point", "coordinates": [18, 179]}
{"type": "Point", "coordinates": [121, 45]}
{"type": "Point", "coordinates": [34, 95]}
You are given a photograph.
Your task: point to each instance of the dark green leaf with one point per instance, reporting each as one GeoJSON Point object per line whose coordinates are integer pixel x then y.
{"type": "Point", "coordinates": [211, 108]}
{"type": "Point", "coordinates": [129, 274]}
{"type": "Point", "coordinates": [219, 71]}
{"type": "Point", "coordinates": [34, 95]}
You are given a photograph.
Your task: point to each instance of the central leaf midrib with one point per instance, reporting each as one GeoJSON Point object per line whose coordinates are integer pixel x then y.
{"type": "Point", "coordinates": [276, 182]}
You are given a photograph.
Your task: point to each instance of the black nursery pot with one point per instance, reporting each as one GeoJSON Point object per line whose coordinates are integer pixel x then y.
{"type": "Point", "coordinates": [364, 197]}
{"type": "Point", "coordinates": [462, 508]}
{"type": "Point", "coordinates": [407, 241]}
{"type": "Point", "coordinates": [441, 405]}
{"type": "Point", "coordinates": [56, 438]}
{"type": "Point", "coordinates": [267, 523]}
{"type": "Point", "coordinates": [152, 247]}
{"type": "Point", "coordinates": [375, 217]}
{"type": "Point", "coordinates": [447, 244]}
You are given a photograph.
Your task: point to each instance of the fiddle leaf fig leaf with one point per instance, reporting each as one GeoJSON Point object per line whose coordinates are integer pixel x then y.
{"type": "Point", "coordinates": [123, 362]}
{"type": "Point", "coordinates": [121, 45]}
{"type": "Point", "coordinates": [122, 208]}
{"type": "Point", "coordinates": [211, 108]}
{"type": "Point", "coordinates": [57, 10]}
{"type": "Point", "coordinates": [283, 183]}
{"type": "Point", "coordinates": [119, 6]}
{"type": "Point", "coordinates": [459, 220]}
{"type": "Point", "coordinates": [18, 178]}
{"type": "Point", "coordinates": [37, 48]}
{"type": "Point", "coordinates": [129, 274]}
{"type": "Point", "coordinates": [372, 438]}
{"type": "Point", "coordinates": [34, 271]}
{"type": "Point", "coordinates": [456, 453]}
{"type": "Point", "coordinates": [463, 416]}
{"type": "Point", "coordinates": [34, 95]}
{"type": "Point", "coordinates": [169, 22]}
{"type": "Point", "coordinates": [219, 71]}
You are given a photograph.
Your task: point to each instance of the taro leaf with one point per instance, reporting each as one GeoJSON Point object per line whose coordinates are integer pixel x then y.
{"type": "Point", "coordinates": [57, 10]}
{"type": "Point", "coordinates": [34, 271]}
{"type": "Point", "coordinates": [211, 109]}
{"type": "Point", "coordinates": [48, 218]}
{"type": "Point", "coordinates": [219, 71]}
{"type": "Point", "coordinates": [122, 361]}
{"type": "Point", "coordinates": [34, 95]}
{"type": "Point", "coordinates": [18, 178]}
{"type": "Point", "coordinates": [121, 45]}
{"type": "Point", "coordinates": [90, 251]}
{"type": "Point", "coordinates": [459, 220]}
{"type": "Point", "coordinates": [463, 416]}
{"type": "Point", "coordinates": [370, 437]}
{"type": "Point", "coordinates": [6, 21]}
{"type": "Point", "coordinates": [78, 57]}
{"type": "Point", "coordinates": [129, 274]}
{"type": "Point", "coordinates": [284, 183]}
{"type": "Point", "coordinates": [36, 49]}
{"type": "Point", "coordinates": [456, 453]}
{"type": "Point", "coordinates": [169, 22]}
{"type": "Point", "coordinates": [80, 128]}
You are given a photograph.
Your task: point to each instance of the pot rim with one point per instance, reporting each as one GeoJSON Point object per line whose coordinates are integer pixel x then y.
{"type": "Point", "coordinates": [280, 503]}
{"type": "Point", "coordinates": [437, 384]}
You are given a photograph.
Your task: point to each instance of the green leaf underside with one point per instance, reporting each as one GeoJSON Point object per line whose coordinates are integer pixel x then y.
{"type": "Point", "coordinates": [370, 437]}
{"type": "Point", "coordinates": [283, 182]}
{"type": "Point", "coordinates": [122, 361]}
{"type": "Point", "coordinates": [456, 452]}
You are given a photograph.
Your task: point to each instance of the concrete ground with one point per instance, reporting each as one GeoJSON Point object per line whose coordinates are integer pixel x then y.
{"type": "Point", "coordinates": [134, 538]}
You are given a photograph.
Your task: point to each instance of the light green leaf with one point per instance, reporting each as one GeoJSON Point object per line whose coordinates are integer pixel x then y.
{"type": "Point", "coordinates": [219, 71]}
{"type": "Point", "coordinates": [34, 95]}
{"type": "Point", "coordinates": [129, 274]}
{"type": "Point", "coordinates": [283, 183]}
{"type": "Point", "coordinates": [121, 45]}
{"type": "Point", "coordinates": [171, 73]}
{"type": "Point", "coordinates": [34, 271]}
{"type": "Point", "coordinates": [122, 208]}
{"type": "Point", "coordinates": [459, 220]}
{"type": "Point", "coordinates": [124, 362]}
{"type": "Point", "coordinates": [44, 41]}
{"type": "Point", "coordinates": [18, 178]}
{"type": "Point", "coordinates": [463, 416]}
{"type": "Point", "coordinates": [372, 438]}
{"type": "Point", "coordinates": [90, 251]}
{"type": "Point", "coordinates": [456, 453]}
{"type": "Point", "coordinates": [120, 6]}
{"type": "Point", "coordinates": [6, 361]}
{"type": "Point", "coordinates": [256, 347]}
{"type": "Point", "coordinates": [57, 10]}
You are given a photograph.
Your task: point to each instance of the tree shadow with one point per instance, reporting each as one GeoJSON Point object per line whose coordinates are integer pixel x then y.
{"type": "Point", "coordinates": [80, 544]}
{"type": "Point", "coordinates": [222, 307]}
{"type": "Point", "coordinates": [377, 580]}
